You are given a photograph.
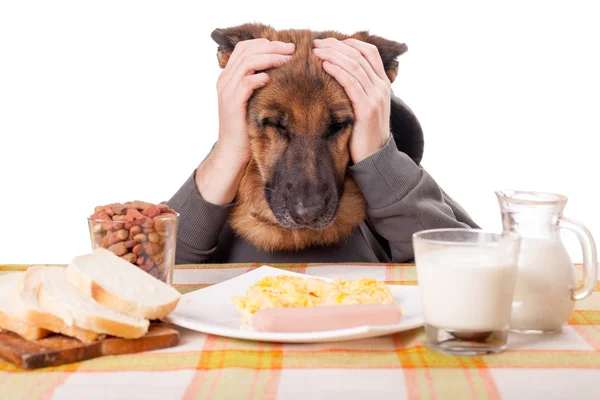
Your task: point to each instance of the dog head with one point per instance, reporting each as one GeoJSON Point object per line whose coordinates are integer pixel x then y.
{"type": "Point", "coordinates": [300, 124]}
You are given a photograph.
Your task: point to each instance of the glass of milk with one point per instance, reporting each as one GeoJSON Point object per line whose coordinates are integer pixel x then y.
{"type": "Point", "coordinates": [467, 280]}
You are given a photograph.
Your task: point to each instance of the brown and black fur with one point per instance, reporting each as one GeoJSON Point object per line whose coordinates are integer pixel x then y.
{"type": "Point", "coordinates": [299, 126]}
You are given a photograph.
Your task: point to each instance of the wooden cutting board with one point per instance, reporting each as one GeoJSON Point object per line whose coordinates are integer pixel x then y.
{"type": "Point", "coordinates": [58, 349]}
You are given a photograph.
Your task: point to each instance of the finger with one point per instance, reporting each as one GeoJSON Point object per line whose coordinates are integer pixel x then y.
{"type": "Point", "coordinates": [254, 46]}
{"type": "Point", "coordinates": [371, 53]}
{"type": "Point", "coordinates": [250, 64]}
{"type": "Point", "coordinates": [351, 85]}
{"type": "Point", "coordinates": [351, 66]}
{"type": "Point", "coordinates": [249, 84]}
{"type": "Point", "coordinates": [350, 52]}
{"type": "Point", "coordinates": [259, 46]}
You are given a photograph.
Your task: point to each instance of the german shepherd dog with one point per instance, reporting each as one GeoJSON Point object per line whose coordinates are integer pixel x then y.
{"type": "Point", "coordinates": [297, 192]}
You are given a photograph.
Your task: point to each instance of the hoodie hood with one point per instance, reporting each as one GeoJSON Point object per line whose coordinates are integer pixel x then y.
{"type": "Point", "coordinates": [406, 130]}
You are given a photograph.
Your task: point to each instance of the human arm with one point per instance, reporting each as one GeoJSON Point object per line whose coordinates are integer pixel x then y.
{"type": "Point", "coordinates": [402, 198]}
{"type": "Point", "coordinates": [205, 199]}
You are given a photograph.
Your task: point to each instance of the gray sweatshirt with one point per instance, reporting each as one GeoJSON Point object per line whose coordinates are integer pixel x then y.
{"type": "Point", "coordinates": [402, 198]}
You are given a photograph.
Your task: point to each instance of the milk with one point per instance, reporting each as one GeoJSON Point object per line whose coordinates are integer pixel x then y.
{"type": "Point", "coordinates": [466, 288]}
{"type": "Point", "coordinates": [542, 299]}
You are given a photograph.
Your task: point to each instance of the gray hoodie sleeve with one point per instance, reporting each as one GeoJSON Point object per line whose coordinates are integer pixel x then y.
{"type": "Point", "coordinates": [403, 198]}
{"type": "Point", "coordinates": [200, 224]}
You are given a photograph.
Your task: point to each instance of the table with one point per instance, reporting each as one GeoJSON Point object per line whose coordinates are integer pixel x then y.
{"type": "Point", "coordinates": [564, 365]}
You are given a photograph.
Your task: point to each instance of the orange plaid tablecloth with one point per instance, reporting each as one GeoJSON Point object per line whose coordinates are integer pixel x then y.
{"type": "Point", "coordinates": [565, 365]}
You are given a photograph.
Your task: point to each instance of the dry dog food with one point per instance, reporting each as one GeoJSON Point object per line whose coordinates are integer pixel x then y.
{"type": "Point", "coordinates": [139, 232]}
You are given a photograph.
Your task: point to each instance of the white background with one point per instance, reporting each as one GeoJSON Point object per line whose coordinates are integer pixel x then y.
{"type": "Point", "coordinates": [110, 101]}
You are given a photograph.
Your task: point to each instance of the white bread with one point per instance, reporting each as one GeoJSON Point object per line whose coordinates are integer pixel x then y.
{"type": "Point", "coordinates": [57, 296]}
{"type": "Point", "coordinates": [25, 306]}
{"type": "Point", "coordinates": [10, 285]}
{"type": "Point", "coordinates": [121, 286]}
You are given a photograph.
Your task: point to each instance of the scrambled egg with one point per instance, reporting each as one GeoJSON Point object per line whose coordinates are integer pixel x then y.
{"type": "Point", "coordinates": [293, 291]}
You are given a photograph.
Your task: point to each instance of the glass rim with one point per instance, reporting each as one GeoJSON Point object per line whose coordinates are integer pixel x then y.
{"type": "Point", "coordinates": [504, 237]}
{"type": "Point", "coordinates": [174, 217]}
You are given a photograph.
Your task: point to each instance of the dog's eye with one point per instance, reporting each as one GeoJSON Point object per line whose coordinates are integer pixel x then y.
{"type": "Point", "coordinates": [335, 128]}
{"type": "Point", "coordinates": [277, 125]}
{"type": "Point", "coordinates": [273, 124]}
{"type": "Point", "coordinates": [265, 122]}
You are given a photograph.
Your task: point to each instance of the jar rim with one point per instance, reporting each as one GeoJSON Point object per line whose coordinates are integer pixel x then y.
{"type": "Point", "coordinates": [171, 217]}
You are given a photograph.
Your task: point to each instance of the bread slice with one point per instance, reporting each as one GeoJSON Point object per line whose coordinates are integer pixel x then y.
{"type": "Point", "coordinates": [121, 286]}
{"type": "Point", "coordinates": [57, 296]}
{"type": "Point", "coordinates": [10, 285]}
{"type": "Point", "coordinates": [25, 306]}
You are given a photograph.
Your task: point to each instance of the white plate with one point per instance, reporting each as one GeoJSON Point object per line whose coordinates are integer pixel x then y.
{"type": "Point", "coordinates": [211, 310]}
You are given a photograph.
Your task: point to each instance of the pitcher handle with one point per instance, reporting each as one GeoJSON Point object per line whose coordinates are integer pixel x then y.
{"type": "Point", "coordinates": [590, 262]}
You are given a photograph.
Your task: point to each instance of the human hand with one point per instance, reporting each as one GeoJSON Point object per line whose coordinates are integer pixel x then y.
{"type": "Point", "coordinates": [219, 175]}
{"type": "Point", "coordinates": [357, 66]}
{"type": "Point", "coordinates": [236, 84]}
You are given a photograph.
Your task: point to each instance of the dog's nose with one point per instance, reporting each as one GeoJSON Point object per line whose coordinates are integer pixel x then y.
{"type": "Point", "coordinates": [308, 211]}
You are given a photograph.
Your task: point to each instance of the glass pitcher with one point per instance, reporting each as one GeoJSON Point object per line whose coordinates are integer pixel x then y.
{"type": "Point", "coordinates": [547, 287]}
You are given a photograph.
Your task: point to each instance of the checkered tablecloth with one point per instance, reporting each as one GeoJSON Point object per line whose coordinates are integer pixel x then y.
{"type": "Point", "coordinates": [560, 366]}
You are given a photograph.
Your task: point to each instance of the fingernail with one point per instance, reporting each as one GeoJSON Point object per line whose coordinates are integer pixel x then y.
{"type": "Point", "coordinates": [290, 45]}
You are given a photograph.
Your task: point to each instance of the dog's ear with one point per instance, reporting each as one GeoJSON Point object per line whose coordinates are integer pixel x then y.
{"type": "Point", "coordinates": [229, 37]}
{"type": "Point", "coordinates": [388, 50]}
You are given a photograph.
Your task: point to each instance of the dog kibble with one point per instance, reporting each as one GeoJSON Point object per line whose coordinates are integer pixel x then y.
{"type": "Point", "coordinates": [148, 264]}
{"type": "Point", "coordinates": [133, 215]}
{"type": "Point", "coordinates": [119, 248]}
{"type": "Point", "coordinates": [140, 237]}
{"type": "Point", "coordinates": [148, 224]}
{"type": "Point", "coordinates": [153, 237]}
{"type": "Point", "coordinates": [158, 258]}
{"type": "Point", "coordinates": [137, 249]}
{"type": "Point", "coordinates": [152, 211]}
{"type": "Point", "coordinates": [139, 232]}
{"type": "Point", "coordinates": [150, 248]}
{"type": "Point", "coordinates": [103, 216]}
{"type": "Point", "coordinates": [160, 223]}
{"type": "Point", "coordinates": [142, 205]}
{"type": "Point", "coordinates": [110, 239]}
{"type": "Point", "coordinates": [129, 257]}
{"type": "Point", "coordinates": [98, 238]}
